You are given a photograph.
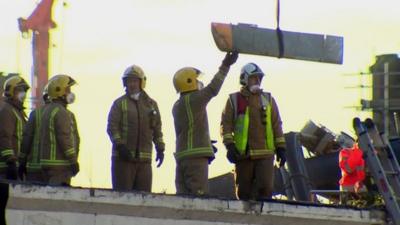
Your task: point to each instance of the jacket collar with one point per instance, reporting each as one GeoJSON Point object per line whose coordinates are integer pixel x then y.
{"type": "Point", "coordinates": [244, 91]}
{"type": "Point", "coordinates": [16, 104]}
{"type": "Point", "coordinates": [61, 102]}
{"type": "Point", "coordinates": [143, 95]}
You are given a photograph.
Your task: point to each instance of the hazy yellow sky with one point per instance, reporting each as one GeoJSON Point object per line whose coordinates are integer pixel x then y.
{"type": "Point", "coordinates": [96, 40]}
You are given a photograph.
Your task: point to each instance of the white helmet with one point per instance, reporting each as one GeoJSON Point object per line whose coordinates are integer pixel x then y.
{"type": "Point", "coordinates": [250, 69]}
{"type": "Point", "coordinates": [137, 72]}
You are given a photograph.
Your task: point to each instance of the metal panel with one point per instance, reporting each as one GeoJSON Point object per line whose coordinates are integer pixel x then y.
{"type": "Point", "coordinates": [295, 160]}
{"type": "Point", "coordinates": [250, 39]}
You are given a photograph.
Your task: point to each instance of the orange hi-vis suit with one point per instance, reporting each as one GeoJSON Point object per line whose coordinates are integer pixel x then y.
{"type": "Point", "coordinates": [352, 165]}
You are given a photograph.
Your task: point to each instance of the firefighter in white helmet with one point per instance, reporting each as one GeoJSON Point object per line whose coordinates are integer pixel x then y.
{"type": "Point", "coordinates": [134, 124]}
{"type": "Point", "coordinates": [251, 129]}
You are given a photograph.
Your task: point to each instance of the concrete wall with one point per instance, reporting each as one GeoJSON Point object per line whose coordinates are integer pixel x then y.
{"type": "Point", "coordinates": [33, 205]}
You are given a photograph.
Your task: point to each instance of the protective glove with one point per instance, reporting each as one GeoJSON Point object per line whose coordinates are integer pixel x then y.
{"type": "Point", "coordinates": [12, 172]}
{"type": "Point", "coordinates": [232, 154]}
{"type": "Point", "coordinates": [215, 149]}
{"type": "Point", "coordinates": [22, 169]}
{"type": "Point", "coordinates": [74, 168]}
{"type": "Point", "coordinates": [281, 156]}
{"type": "Point", "coordinates": [124, 153]}
{"type": "Point", "coordinates": [230, 58]}
{"type": "Point", "coordinates": [160, 158]}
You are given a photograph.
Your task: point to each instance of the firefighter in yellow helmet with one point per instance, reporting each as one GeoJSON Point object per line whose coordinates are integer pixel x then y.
{"type": "Point", "coordinates": [58, 137]}
{"type": "Point", "coordinates": [134, 124]}
{"type": "Point", "coordinates": [193, 146]}
{"type": "Point", "coordinates": [251, 129]}
{"type": "Point", "coordinates": [12, 122]}
{"type": "Point", "coordinates": [29, 158]}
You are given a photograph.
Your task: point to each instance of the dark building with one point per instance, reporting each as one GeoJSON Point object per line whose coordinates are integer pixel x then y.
{"type": "Point", "coordinates": [385, 92]}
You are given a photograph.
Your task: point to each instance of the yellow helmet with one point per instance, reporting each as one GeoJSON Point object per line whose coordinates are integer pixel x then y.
{"type": "Point", "coordinates": [13, 82]}
{"type": "Point", "coordinates": [185, 79]}
{"type": "Point", "coordinates": [58, 84]}
{"type": "Point", "coordinates": [136, 72]}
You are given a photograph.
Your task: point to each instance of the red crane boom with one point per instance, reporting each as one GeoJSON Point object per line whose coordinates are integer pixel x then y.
{"type": "Point", "coordinates": [40, 22]}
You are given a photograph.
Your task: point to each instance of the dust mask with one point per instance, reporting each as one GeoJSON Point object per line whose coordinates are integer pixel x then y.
{"type": "Point", "coordinates": [70, 98]}
{"type": "Point", "coordinates": [255, 88]}
{"type": "Point", "coordinates": [21, 96]}
{"type": "Point", "coordinates": [200, 85]}
{"type": "Point", "coordinates": [135, 96]}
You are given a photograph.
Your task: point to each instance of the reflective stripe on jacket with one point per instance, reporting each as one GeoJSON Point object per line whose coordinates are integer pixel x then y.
{"type": "Point", "coordinates": [57, 144]}
{"type": "Point", "coordinates": [12, 122]}
{"type": "Point", "coordinates": [30, 141]}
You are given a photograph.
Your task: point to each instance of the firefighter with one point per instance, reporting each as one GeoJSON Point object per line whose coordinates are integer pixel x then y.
{"type": "Point", "coordinates": [193, 145]}
{"type": "Point", "coordinates": [29, 158]}
{"type": "Point", "coordinates": [352, 166]}
{"type": "Point", "coordinates": [58, 134]}
{"type": "Point", "coordinates": [251, 129]}
{"type": "Point", "coordinates": [12, 122]}
{"type": "Point", "coordinates": [31, 171]}
{"type": "Point", "coordinates": [134, 122]}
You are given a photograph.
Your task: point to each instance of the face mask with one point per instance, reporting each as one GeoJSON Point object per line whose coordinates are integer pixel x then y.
{"type": "Point", "coordinates": [135, 96]}
{"type": "Point", "coordinates": [200, 85]}
{"type": "Point", "coordinates": [255, 88]}
{"type": "Point", "coordinates": [21, 96]}
{"type": "Point", "coordinates": [70, 98]}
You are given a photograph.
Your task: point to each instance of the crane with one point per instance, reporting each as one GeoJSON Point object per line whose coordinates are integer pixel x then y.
{"type": "Point", "coordinates": [39, 22]}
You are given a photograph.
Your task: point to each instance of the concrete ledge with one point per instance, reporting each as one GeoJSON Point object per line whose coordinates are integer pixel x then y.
{"type": "Point", "coordinates": [45, 203]}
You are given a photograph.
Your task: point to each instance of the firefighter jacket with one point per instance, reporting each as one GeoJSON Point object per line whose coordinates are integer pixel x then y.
{"type": "Point", "coordinates": [191, 122]}
{"type": "Point", "coordinates": [30, 141]}
{"type": "Point", "coordinates": [12, 122]}
{"type": "Point", "coordinates": [136, 124]}
{"type": "Point", "coordinates": [352, 165]}
{"type": "Point", "coordinates": [58, 133]}
{"type": "Point", "coordinates": [252, 122]}
{"type": "Point", "coordinates": [30, 152]}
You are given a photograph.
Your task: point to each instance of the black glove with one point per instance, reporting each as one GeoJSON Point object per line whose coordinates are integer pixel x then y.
{"type": "Point", "coordinates": [280, 156]}
{"type": "Point", "coordinates": [232, 153]}
{"type": "Point", "coordinates": [210, 159]}
{"type": "Point", "coordinates": [124, 153]}
{"type": "Point", "coordinates": [230, 58]}
{"type": "Point", "coordinates": [74, 168]}
{"type": "Point", "coordinates": [160, 158]}
{"type": "Point", "coordinates": [215, 149]}
{"type": "Point", "coordinates": [22, 170]}
{"type": "Point", "coordinates": [12, 172]}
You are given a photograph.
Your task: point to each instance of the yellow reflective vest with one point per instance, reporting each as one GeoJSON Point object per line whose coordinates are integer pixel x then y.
{"type": "Point", "coordinates": [252, 123]}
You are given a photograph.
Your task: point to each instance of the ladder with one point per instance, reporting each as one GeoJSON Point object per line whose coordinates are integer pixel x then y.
{"type": "Point", "coordinates": [381, 163]}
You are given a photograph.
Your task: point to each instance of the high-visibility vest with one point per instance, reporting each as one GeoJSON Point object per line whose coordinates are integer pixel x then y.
{"type": "Point", "coordinates": [241, 131]}
{"type": "Point", "coordinates": [352, 165]}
